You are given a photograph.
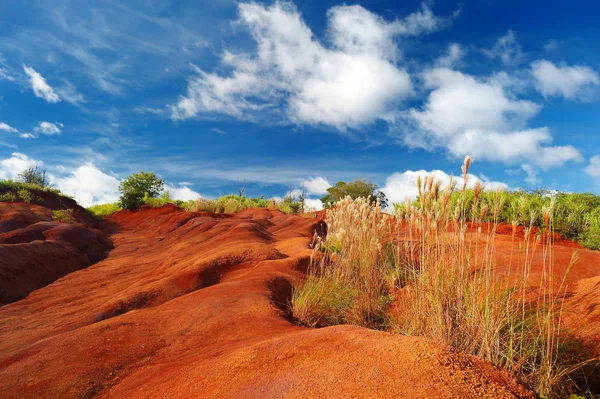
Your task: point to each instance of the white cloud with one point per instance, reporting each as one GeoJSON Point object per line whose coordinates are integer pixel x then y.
{"type": "Point", "coordinates": [479, 118]}
{"type": "Point", "coordinates": [532, 174]}
{"type": "Point", "coordinates": [400, 187]}
{"type": "Point", "coordinates": [577, 82]}
{"type": "Point", "coordinates": [48, 128]}
{"type": "Point", "coordinates": [6, 128]}
{"type": "Point", "coordinates": [182, 192]}
{"type": "Point", "coordinates": [27, 136]}
{"type": "Point", "coordinates": [506, 49]}
{"type": "Point", "coordinates": [17, 163]}
{"type": "Point", "coordinates": [593, 169]}
{"type": "Point", "coordinates": [89, 185]}
{"type": "Point", "coordinates": [317, 185]}
{"type": "Point", "coordinates": [5, 76]}
{"type": "Point", "coordinates": [452, 57]}
{"type": "Point", "coordinates": [352, 82]}
{"type": "Point", "coordinates": [40, 88]}
{"type": "Point", "coordinates": [311, 204]}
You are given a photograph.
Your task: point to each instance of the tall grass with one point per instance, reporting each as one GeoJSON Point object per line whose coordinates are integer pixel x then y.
{"type": "Point", "coordinates": [347, 284]}
{"type": "Point", "coordinates": [573, 213]}
{"type": "Point", "coordinates": [429, 273]}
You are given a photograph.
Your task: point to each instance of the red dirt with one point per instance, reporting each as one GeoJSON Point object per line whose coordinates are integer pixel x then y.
{"type": "Point", "coordinates": [192, 305]}
{"type": "Point", "coordinates": [35, 251]}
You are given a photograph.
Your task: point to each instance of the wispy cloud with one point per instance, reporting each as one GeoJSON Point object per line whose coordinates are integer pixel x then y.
{"type": "Point", "coordinates": [6, 128]}
{"type": "Point", "coordinates": [39, 86]}
{"type": "Point", "coordinates": [507, 49]}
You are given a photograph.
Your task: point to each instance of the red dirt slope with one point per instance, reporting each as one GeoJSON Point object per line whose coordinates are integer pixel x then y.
{"type": "Point", "coordinates": [35, 251]}
{"type": "Point", "coordinates": [190, 305]}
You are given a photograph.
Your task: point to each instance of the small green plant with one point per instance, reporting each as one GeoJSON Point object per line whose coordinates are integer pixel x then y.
{"type": "Point", "coordinates": [25, 195]}
{"type": "Point", "coordinates": [63, 215]}
{"type": "Point", "coordinates": [138, 187]}
{"type": "Point", "coordinates": [8, 196]}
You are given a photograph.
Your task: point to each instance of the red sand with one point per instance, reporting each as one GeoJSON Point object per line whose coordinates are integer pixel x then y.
{"type": "Point", "coordinates": [191, 305]}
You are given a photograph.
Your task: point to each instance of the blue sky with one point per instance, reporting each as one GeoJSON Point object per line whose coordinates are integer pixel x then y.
{"type": "Point", "coordinates": [281, 94]}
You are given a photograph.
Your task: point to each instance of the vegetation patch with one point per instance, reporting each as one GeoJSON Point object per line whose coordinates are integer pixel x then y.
{"type": "Point", "coordinates": [431, 271]}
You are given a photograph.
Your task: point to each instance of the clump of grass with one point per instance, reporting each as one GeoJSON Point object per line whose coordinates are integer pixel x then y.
{"type": "Point", "coordinates": [349, 283]}
{"type": "Point", "coordinates": [102, 210]}
{"type": "Point", "coordinates": [63, 215]}
{"type": "Point", "coordinates": [429, 273]}
{"type": "Point", "coordinates": [235, 203]}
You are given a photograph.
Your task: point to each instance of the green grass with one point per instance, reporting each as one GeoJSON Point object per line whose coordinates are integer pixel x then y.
{"type": "Point", "coordinates": [235, 203]}
{"type": "Point", "coordinates": [12, 191]}
{"type": "Point", "coordinates": [576, 216]}
{"type": "Point", "coordinates": [230, 203]}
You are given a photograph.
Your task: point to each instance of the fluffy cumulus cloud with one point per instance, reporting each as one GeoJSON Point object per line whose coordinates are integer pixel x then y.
{"type": "Point", "coordinates": [593, 169]}
{"type": "Point", "coordinates": [507, 49]}
{"type": "Point", "coordinates": [89, 185]}
{"type": "Point", "coordinates": [182, 192]}
{"type": "Point", "coordinates": [17, 163]}
{"type": "Point", "coordinates": [317, 185]}
{"type": "Point", "coordinates": [478, 117]}
{"type": "Point", "coordinates": [311, 204]}
{"type": "Point", "coordinates": [48, 128]}
{"type": "Point", "coordinates": [351, 80]}
{"type": "Point", "coordinates": [577, 82]}
{"type": "Point", "coordinates": [40, 87]}
{"type": "Point", "coordinates": [6, 128]}
{"type": "Point", "coordinates": [402, 186]}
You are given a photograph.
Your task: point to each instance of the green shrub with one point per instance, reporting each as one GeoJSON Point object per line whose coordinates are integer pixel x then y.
{"type": "Point", "coordinates": [63, 215]}
{"type": "Point", "coordinates": [8, 196]}
{"type": "Point", "coordinates": [25, 195]}
{"type": "Point", "coordinates": [139, 187]}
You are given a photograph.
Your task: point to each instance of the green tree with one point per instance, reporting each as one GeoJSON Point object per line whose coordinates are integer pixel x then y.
{"type": "Point", "coordinates": [34, 175]}
{"type": "Point", "coordinates": [355, 189]}
{"type": "Point", "coordinates": [137, 187]}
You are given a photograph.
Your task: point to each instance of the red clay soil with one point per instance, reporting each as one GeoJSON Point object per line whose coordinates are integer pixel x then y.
{"type": "Point", "coordinates": [192, 305]}
{"type": "Point", "coordinates": [35, 251]}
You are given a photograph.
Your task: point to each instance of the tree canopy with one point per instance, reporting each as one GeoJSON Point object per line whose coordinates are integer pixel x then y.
{"type": "Point", "coordinates": [138, 186]}
{"type": "Point", "coordinates": [354, 189]}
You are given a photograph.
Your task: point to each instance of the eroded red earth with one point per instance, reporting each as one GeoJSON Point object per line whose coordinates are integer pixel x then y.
{"type": "Point", "coordinates": [193, 305]}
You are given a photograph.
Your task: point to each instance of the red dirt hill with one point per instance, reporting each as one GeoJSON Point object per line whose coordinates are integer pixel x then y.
{"type": "Point", "coordinates": [192, 305]}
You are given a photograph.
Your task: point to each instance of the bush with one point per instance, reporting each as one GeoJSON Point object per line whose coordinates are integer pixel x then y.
{"type": "Point", "coordinates": [35, 176]}
{"type": "Point", "coordinates": [25, 195]}
{"type": "Point", "coordinates": [8, 197]}
{"type": "Point", "coordinates": [355, 189]}
{"type": "Point", "coordinates": [63, 215]}
{"type": "Point", "coordinates": [138, 187]}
